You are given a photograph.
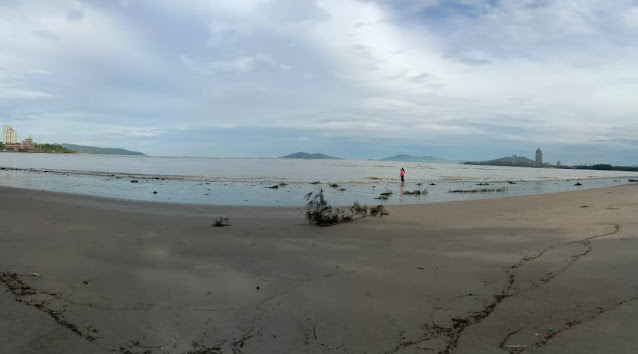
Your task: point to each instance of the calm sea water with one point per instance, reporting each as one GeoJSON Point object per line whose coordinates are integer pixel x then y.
{"type": "Point", "coordinates": [245, 181]}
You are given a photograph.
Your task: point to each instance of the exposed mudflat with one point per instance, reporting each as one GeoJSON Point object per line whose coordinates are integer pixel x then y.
{"type": "Point", "coordinates": [552, 273]}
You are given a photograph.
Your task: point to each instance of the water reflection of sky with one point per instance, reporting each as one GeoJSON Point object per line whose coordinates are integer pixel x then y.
{"type": "Point", "coordinates": [255, 192]}
{"type": "Point", "coordinates": [292, 170]}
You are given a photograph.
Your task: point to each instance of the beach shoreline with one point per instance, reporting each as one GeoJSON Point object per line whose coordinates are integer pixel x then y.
{"type": "Point", "coordinates": [543, 273]}
{"type": "Point", "coordinates": [283, 182]}
{"type": "Point", "coordinates": [284, 192]}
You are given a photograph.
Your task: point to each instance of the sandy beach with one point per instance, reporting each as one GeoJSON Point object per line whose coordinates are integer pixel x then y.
{"type": "Point", "coordinates": [554, 273]}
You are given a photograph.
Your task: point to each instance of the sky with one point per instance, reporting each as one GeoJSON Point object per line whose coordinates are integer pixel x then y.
{"type": "Point", "coordinates": [360, 79]}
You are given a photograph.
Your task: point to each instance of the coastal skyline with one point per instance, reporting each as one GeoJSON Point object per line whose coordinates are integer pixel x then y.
{"type": "Point", "coordinates": [9, 136]}
{"type": "Point", "coordinates": [459, 80]}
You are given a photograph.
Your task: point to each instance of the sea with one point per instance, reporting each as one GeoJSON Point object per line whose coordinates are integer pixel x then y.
{"type": "Point", "coordinates": [285, 182]}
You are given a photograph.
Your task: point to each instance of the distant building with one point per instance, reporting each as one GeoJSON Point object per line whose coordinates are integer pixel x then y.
{"type": "Point", "coordinates": [557, 163]}
{"type": "Point", "coordinates": [513, 159]}
{"type": "Point", "coordinates": [539, 158]}
{"type": "Point", "coordinates": [25, 146]}
{"type": "Point", "coordinates": [9, 136]}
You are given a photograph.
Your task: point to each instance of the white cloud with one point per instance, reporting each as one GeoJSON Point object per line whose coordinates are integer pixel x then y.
{"type": "Point", "coordinates": [242, 64]}
{"type": "Point", "coordinates": [238, 65]}
{"type": "Point", "coordinates": [550, 88]}
{"type": "Point", "coordinates": [631, 17]}
{"type": "Point", "coordinates": [10, 93]}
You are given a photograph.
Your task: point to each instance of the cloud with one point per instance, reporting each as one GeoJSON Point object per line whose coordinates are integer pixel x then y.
{"type": "Point", "coordinates": [631, 17]}
{"type": "Point", "coordinates": [222, 33]}
{"type": "Point", "coordinates": [75, 13]}
{"type": "Point", "coordinates": [239, 65]}
{"type": "Point", "coordinates": [291, 11]}
{"type": "Point", "coordinates": [10, 93]}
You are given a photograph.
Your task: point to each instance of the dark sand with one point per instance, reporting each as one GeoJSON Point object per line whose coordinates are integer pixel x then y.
{"type": "Point", "coordinates": [551, 273]}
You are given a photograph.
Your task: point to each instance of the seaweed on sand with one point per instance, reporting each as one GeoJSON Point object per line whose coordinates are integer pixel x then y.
{"type": "Point", "coordinates": [320, 213]}
{"type": "Point", "coordinates": [483, 190]}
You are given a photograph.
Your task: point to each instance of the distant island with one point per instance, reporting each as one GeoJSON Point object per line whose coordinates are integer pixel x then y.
{"type": "Point", "coordinates": [82, 149]}
{"type": "Point", "coordinates": [408, 158]}
{"type": "Point", "coordinates": [516, 161]}
{"type": "Point", "coordinates": [307, 156]}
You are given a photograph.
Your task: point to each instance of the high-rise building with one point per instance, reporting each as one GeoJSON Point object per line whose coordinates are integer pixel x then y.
{"type": "Point", "coordinates": [5, 133]}
{"type": "Point", "coordinates": [539, 158]}
{"type": "Point", "coordinates": [9, 136]}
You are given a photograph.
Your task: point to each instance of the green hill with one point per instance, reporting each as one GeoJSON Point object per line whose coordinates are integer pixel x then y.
{"type": "Point", "coordinates": [52, 149]}
{"type": "Point", "coordinates": [307, 156]}
{"type": "Point", "coordinates": [82, 149]}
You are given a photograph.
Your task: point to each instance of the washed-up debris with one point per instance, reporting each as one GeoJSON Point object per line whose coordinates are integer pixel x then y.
{"type": "Point", "coordinates": [320, 213]}
{"type": "Point", "coordinates": [511, 182]}
{"type": "Point", "coordinates": [221, 221]}
{"type": "Point", "coordinates": [578, 184]}
{"type": "Point", "coordinates": [315, 182]}
{"type": "Point", "coordinates": [334, 185]}
{"type": "Point", "coordinates": [483, 184]}
{"type": "Point", "coordinates": [276, 186]}
{"type": "Point", "coordinates": [416, 192]}
{"type": "Point", "coordinates": [379, 210]}
{"type": "Point", "coordinates": [134, 181]}
{"type": "Point", "coordinates": [283, 184]}
{"type": "Point", "coordinates": [483, 190]}
{"type": "Point", "coordinates": [154, 192]}
{"type": "Point", "coordinates": [387, 192]}
{"type": "Point", "coordinates": [633, 180]}
{"type": "Point", "coordinates": [37, 275]}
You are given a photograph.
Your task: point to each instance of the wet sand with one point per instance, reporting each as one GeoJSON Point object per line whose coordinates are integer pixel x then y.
{"type": "Point", "coordinates": [554, 273]}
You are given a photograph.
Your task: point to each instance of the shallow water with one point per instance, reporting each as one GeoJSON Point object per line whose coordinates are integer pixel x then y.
{"type": "Point", "coordinates": [245, 181]}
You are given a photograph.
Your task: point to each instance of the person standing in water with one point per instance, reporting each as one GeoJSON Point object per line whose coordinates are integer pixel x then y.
{"type": "Point", "coordinates": [402, 174]}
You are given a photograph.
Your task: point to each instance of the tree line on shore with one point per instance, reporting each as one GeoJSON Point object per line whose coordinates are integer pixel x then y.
{"type": "Point", "coordinates": [525, 162]}
{"type": "Point", "coordinates": [45, 148]}
{"type": "Point", "coordinates": [602, 167]}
